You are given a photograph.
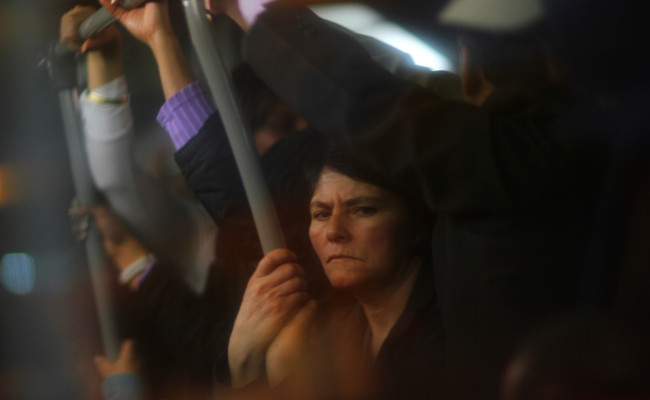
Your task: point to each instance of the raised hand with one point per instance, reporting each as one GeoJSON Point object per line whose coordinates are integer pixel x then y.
{"type": "Point", "coordinates": [150, 24]}
{"type": "Point", "coordinates": [69, 32]}
{"type": "Point", "coordinates": [120, 244]}
{"type": "Point", "coordinates": [147, 23]}
{"type": "Point", "coordinates": [275, 292]}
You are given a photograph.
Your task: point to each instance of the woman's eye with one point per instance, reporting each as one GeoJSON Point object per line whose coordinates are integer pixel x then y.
{"type": "Point", "coordinates": [365, 211]}
{"type": "Point", "coordinates": [320, 215]}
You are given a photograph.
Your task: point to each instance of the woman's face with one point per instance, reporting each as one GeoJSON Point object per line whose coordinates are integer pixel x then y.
{"type": "Point", "coordinates": [358, 231]}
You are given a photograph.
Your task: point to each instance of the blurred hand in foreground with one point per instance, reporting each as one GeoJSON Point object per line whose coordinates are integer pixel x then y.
{"type": "Point", "coordinates": [120, 244]}
{"type": "Point", "coordinates": [126, 363]}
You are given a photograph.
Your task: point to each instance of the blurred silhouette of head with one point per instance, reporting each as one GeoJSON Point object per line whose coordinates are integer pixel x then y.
{"type": "Point", "coordinates": [502, 42]}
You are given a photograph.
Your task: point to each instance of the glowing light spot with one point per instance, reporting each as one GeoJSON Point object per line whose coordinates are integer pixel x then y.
{"type": "Point", "coordinates": [18, 273]}
{"type": "Point", "coordinates": [9, 188]}
{"type": "Point", "coordinates": [2, 187]}
{"type": "Point", "coordinates": [366, 21]}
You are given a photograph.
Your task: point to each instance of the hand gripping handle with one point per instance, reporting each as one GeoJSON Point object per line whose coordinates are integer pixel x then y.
{"type": "Point", "coordinates": [102, 18]}
{"type": "Point", "coordinates": [93, 25]}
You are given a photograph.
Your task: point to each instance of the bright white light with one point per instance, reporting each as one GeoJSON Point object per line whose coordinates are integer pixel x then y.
{"type": "Point", "coordinates": [18, 273]}
{"type": "Point", "coordinates": [366, 21]}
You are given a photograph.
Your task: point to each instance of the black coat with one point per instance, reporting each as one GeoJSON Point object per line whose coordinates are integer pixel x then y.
{"type": "Point", "coordinates": [410, 362]}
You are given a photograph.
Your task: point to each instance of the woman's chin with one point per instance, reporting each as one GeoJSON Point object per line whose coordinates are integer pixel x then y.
{"type": "Point", "coordinates": [345, 281]}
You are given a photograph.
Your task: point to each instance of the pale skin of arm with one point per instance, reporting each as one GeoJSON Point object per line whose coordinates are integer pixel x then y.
{"type": "Point", "coordinates": [287, 355]}
{"type": "Point", "coordinates": [275, 292]}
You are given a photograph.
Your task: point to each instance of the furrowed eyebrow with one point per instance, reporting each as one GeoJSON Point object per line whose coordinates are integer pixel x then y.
{"type": "Point", "coordinates": [349, 203]}
{"type": "Point", "coordinates": [318, 204]}
{"type": "Point", "coordinates": [363, 199]}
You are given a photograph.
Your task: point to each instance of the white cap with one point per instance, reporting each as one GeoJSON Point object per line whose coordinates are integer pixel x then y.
{"type": "Point", "coordinates": [492, 15]}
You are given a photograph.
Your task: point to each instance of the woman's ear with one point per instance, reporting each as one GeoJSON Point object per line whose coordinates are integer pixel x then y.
{"type": "Point", "coordinates": [470, 74]}
{"type": "Point", "coordinates": [475, 87]}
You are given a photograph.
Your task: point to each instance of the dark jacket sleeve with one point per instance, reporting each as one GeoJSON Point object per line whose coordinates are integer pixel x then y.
{"type": "Point", "coordinates": [462, 157]}
{"type": "Point", "coordinates": [178, 332]}
{"type": "Point", "coordinates": [209, 168]}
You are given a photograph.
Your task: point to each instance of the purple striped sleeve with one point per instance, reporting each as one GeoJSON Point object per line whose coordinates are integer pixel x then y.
{"type": "Point", "coordinates": [184, 113]}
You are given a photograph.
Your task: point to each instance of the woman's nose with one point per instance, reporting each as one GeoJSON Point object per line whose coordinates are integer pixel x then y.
{"type": "Point", "coordinates": [337, 230]}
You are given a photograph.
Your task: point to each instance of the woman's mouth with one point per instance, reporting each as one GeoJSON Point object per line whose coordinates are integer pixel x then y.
{"type": "Point", "coordinates": [336, 257]}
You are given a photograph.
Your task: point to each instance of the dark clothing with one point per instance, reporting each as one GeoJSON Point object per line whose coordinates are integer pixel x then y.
{"type": "Point", "coordinates": [182, 336]}
{"type": "Point", "coordinates": [617, 273]}
{"type": "Point", "coordinates": [410, 362]}
{"type": "Point", "coordinates": [511, 187]}
{"type": "Point", "coordinates": [208, 166]}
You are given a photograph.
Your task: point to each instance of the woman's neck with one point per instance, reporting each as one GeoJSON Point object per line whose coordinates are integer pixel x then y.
{"type": "Point", "coordinates": [384, 307]}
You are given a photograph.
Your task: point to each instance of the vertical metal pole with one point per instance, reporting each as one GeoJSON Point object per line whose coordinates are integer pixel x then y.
{"type": "Point", "coordinates": [62, 68]}
{"type": "Point", "coordinates": [237, 129]}
{"type": "Point", "coordinates": [87, 195]}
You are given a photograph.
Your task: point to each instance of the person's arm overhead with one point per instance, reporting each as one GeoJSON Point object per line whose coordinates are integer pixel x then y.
{"type": "Point", "coordinates": [462, 157]}
{"type": "Point", "coordinates": [147, 207]}
{"type": "Point", "coordinates": [188, 110]}
{"type": "Point", "coordinates": [150, 24]}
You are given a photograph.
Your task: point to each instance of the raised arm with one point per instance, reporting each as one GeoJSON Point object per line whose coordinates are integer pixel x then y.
{"type": "Point", "coordinates": [150, 24]}
{"type": "Point", "coordinates": [103, 52]}
{"type": "Point", "coordinates": [463, 158]}
{"type": "Point", "coordinates": [187, 107]}
{"type": "Point", "coordinates": [176, 230]}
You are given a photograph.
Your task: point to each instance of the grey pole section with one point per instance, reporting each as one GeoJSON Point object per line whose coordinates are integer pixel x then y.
{"type": "Point", "coordinates": [237, 129]}
{"type": "Point", "coordinates": [97, 22]}
{"type": "Point", "coordinates": [86, 194]}
{"type": "Point", "coordinates": [62, 68]}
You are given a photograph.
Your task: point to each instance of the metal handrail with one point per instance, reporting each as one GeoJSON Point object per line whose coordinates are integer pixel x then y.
{"type": "Point", "coordinates": [237, 129]}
